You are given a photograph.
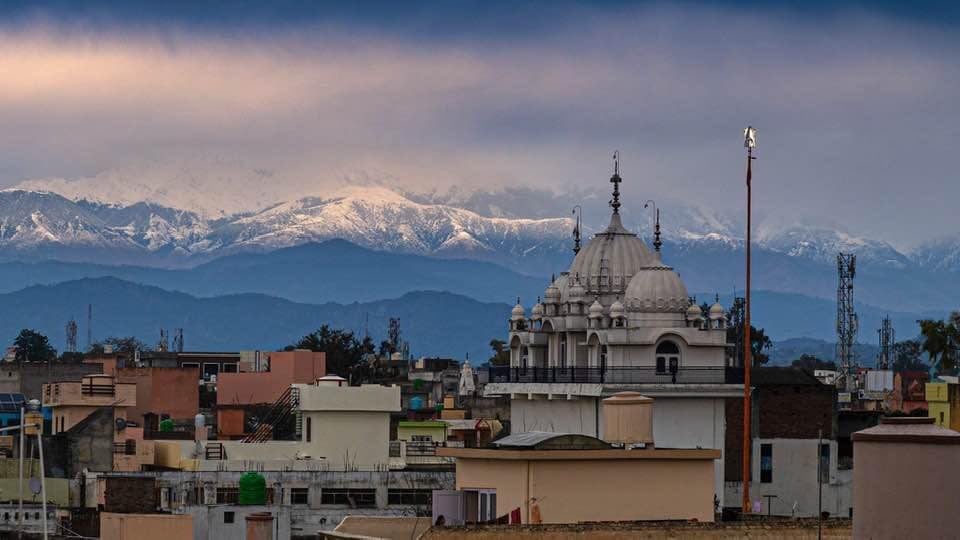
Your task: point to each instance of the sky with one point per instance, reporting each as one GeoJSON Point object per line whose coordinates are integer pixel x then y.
{"type": "Point", "coordinates": [857, 105]}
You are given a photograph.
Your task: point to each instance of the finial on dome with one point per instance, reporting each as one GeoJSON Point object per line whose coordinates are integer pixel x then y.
{"type": "Point", "coordinates": [576, 229]}
{"type": "Point", "coordinates": [656, 233]}
{"type": "Point", "coordinates": [615, 201]}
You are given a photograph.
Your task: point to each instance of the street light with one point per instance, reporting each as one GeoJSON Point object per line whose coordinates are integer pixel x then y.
{"type": "Point", "coordinates": [749, 142]}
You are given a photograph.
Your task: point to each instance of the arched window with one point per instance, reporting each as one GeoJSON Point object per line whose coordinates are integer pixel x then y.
{"type": "Point", "coordinates": [668, 357]}
{"type": "Point", "coordinates": [524, 357]}
{"type": "Point", "coordinates": [603, 357]}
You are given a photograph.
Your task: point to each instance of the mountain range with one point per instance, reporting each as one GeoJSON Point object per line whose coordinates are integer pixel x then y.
{"type": "Point", "coordinates": [704, 246]}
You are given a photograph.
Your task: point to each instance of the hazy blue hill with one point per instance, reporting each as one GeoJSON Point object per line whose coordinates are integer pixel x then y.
{"type": "Point", "coordinates": [331, 271]}
{"type": "Point", "coordinates": [435, 323]}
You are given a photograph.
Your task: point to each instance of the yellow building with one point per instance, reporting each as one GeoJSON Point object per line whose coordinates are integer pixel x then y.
{"type": "Point", "coordinates": [422, 431]}
{"type": "Point", "coordinates": [943, 404]}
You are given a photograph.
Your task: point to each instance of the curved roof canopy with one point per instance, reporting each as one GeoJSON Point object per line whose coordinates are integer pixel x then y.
{"type": "Point", "coordinates": [541, 440]}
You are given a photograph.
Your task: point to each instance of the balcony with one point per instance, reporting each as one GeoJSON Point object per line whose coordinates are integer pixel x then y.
{"type": "Point", "coordinates": [617, 375]}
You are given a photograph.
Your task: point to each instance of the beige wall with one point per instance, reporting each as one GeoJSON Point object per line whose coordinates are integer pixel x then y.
{"type": "Point", "coordinates": [70, 393]}
{"type": "Point", "coordinates": [145, 526]}
{"type": "Point", "coordinates": [369, 397]}
{"type": "Point", "coordinates": [571, 491]}
{"type": "Point", "coordinates": [905, 490]}
{"type": "Point", "coordinates": [348, 439]}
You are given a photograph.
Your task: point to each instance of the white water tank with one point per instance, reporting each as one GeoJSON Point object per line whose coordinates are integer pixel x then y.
{"type": "Point", "coordinates": [628, 419]}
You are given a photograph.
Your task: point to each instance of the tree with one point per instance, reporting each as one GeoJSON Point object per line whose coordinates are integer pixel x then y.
{"type": "Point", "coordinates": [940, 341]}
{"type": "Point", "coordinates": [907, 356]}
{"type": "Point", "coordinates": [32, 346]}
{"type": "Point", "coordinates": [759, 342]}
{"type": "Point", "coordinates": [501, 355]}
{"type": "Point", "coordinates": [127, 346]}
{"type": "Point", "coordinates": [343, 350]}
{"type": "Point", "coordinates": [809, 362]}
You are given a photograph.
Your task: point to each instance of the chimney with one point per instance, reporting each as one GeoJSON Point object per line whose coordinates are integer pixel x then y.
{"type": "Point", "coordinates": [628, 419]}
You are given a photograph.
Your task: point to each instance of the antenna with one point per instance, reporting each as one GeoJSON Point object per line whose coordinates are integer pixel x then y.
{"type": "Point", "coordinates": [178, 339]}
{"type": "Point", "coordinates": [164, 344]}
{"type": "Point", "coordinates": [887, 339]}
{"type": "Point", "coordinates": [89, 326]}
{"type": "Point", "coordinates": [846, 319]}
{"type": "Point", "coordinates": [578, 211]}
{"type": "Point", "coordinates": [72, 335]}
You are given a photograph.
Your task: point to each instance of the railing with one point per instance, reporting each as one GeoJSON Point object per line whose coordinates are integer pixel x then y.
{"type": "Point", "coordinates": [90, 389]}
{"type": "Point", "coordinates": [214, 451]}
{"type": "Point", "coordinates": [126, 448]}
{"type": "Point", "coordinates": [616, 375]}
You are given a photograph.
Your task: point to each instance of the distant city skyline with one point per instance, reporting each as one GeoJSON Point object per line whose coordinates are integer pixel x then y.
{"type": "Point", "coordinates": [856, 105]}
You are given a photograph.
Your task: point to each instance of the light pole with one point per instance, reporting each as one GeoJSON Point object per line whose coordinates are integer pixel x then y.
{"type": "Point", "coordinates": [749, 142]}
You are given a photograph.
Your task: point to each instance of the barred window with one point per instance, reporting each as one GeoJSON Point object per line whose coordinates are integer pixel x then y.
{"type": "Point", "coordinates": [409, 496]}
{"type": "Point", "coordinates": [228, 495]}
{"type": "Point", "coordinates": [299, 495]}
{"type": "Point", "coordinates": [354, 498]}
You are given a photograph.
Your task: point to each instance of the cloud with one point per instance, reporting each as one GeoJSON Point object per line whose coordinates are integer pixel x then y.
{"type": "Point", "coordinates": [856, 112]}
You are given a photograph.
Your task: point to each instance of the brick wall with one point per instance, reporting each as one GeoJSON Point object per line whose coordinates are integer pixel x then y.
{"type": "Point", "coordinates": [130, 495]}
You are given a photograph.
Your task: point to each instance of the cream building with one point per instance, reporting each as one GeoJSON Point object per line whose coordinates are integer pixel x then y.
{"type": "Point", "coordinates": [619, 319]}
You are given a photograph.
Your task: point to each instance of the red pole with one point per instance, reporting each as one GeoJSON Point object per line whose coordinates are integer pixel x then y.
{"type": "Point", "coordinates": [747, 360]}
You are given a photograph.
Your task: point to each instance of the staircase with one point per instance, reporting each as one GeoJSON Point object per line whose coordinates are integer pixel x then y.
{"type": "Point", "coordinates": [285, 407]}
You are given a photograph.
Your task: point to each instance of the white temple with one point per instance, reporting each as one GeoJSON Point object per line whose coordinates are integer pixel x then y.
{"type": "Point", "coordinates": [619, 319]}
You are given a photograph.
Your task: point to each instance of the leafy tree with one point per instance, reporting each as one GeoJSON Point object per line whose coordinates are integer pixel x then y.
{"type": "Point", "coordinates": [908, 356]}
{"type": "Point", "coordinates": [809, 362]}
{"type": "Point", "coordinates": [941, 340]}
{"type": "Point", "coordinates": [501, 354]}
{"type": "Point", "coordinates": [343, 350]}
{"type": "Point", "coordinates": [32, 346]}
{"type": "Point", "coordinates": [759, 343]}
{"type": "Point", "coordinates": [123, 346]}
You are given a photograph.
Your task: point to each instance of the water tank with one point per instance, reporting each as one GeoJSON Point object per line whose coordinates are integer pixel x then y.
{"type": "Point", "coordinates": [166, 425]}
{"type": "Point", "coordinates": [628, 419]}
{"type": "Point", "coordinates": [253, 489]}
{"type": "Point", "coordinates": [416, 403]}
{"type": "Point", "coordinates": [199, 421]}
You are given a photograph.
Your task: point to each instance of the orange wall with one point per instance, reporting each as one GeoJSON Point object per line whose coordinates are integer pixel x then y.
{"type": "Point", "coordinates": [229, 422]}
{"type": "Point", "coordinates": [286, 368]}
{"type": "Point", "coordinates": [572, 491]}
{"type": "Point", "coordinates": [145, 526]}
{"type": "Point", "coordinates": [173, 391]}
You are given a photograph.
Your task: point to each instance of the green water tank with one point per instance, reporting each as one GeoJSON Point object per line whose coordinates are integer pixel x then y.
{"type": "Point", "coordinates": [253, 489]}
{"type": "Point", "coordinates": [166, 425]}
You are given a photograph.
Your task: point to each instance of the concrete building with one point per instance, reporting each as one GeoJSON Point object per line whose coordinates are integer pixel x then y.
{"type": "Point", "coordinates": [904, 472]}
{"type": "Point", "coordinates": [72, 401]}
{"type": "Point", "coordinates": [619, 319]}
{"type": "Point", "coordinates": [943, 403]}
{"type": "Point", "coordinates": [170, 391]}
{"type": "Point", "coordinates": [432, 431]}
{"type": "Point", "coordinates": [145, 526]}
{"type": "Point", "coordinates": [542, 477]}
{"type": "Point", "coordinates": [792, 410]}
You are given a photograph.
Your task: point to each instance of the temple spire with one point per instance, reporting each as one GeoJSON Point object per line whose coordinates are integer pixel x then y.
{"type": "Point", "coordinates": [656, 233]}
{"type": "Point", "coordinates": [615, 179]}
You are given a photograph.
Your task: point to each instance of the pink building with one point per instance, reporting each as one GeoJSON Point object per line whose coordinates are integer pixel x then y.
{"type": "Point", "coordinates": [236, 391]}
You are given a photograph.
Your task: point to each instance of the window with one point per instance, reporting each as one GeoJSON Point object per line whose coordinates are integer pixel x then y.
{"type": "Point", "coordinates": [668, 357]}
{"type": "Point", "coordinates": [524, 357]}
{"type": "Point", "coordinates": [228, 495]}
{"type": "Point", "coordinates": [824, 463]}
{"type": "Point", "coordinates": [230, 368]}
{"type": "Point", "coordinates": [228, 517]}
{"type": "Point", "coordinates": [603, 357]}
{"type": "Point", "coordinates": [309, 430]}
{"type": "Point", "coordinates": [488, 506]}
{"type": "Point", "coordinates": [421, 438]}
{"type": "Point", "coordinates": [409, 496]}
{"type": "Point", "coordinates": [354, 498]}
{"type": "Point", "coordinates": [186, 365]}
{"type": "Point", "coordinates": [299, 495]}
{"type": "Point", "coordinates": [766, 463]}
{"type": "Point", "coordinates": [210, 370]}
{"type": "Point", "coordinates": [563, 350]}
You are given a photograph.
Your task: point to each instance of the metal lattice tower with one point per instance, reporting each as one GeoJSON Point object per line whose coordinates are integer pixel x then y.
{"type": "Point", "coordinates": [72, 336]}
{"type": "Point", "coordinates": [846, 319]}
{"type": "Point", "coordinates": [164, 344]}
{"type": "Point", "coordinates": [178, 339]}
{"type": "Point", "coordinates": [887, 339]}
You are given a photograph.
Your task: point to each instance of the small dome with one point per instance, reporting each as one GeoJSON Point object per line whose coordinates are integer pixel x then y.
{"type": "Point", "coordinates": [537, 312]}
{"type": "Point", "coordinates": [596, 310]}
{"type": "Point", "coordinates": [518, 312]}
{"type": "Point", "coordinates": [617, 310]}
{"type": "Point", "coordinates": [716, 311]}
{"type": "Point", "coordinates": [657, 288]}
{"type": "Point", "coordinates": [552, 294]}
{"type": "Point", "coordinates": [694, 311]}
{"type": "Point", "coordinates": [577, 292]}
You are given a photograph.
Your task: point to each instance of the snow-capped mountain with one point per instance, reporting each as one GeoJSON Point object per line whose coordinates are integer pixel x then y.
{"type": "Point", "coordinates": [939, 255]}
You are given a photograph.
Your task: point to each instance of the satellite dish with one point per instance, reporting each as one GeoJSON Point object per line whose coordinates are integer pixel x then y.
{"type": "Point", "coordinates": [121, 424]}
{"type": "Point", "coordinates": [35, 486]}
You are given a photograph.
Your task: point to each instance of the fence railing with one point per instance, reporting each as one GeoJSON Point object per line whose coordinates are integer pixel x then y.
{"type": "Point", "coordinates": [616, 375]}
{"type": "Point", "coordinates": [89, 389]}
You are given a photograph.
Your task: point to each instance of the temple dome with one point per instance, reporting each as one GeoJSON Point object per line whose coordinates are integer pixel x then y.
{"type": "Point", "coordinates": [518, 313]}
{"type": "Point", "coordinates": [716, 311]}
{"type": "Point", "coordinates": [657, 288]}
{"type": "Point", "coordinates": [616, 253]}
{"type": "Point", "coordinates": [537, 312]}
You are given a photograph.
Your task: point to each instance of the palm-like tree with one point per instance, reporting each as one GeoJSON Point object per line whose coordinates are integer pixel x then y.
{"type": "Point", "coordinates": [941, 340]}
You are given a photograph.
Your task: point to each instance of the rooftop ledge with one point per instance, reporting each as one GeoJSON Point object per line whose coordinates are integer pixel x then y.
{"type": "Point", "coordinates": [614, 454]}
